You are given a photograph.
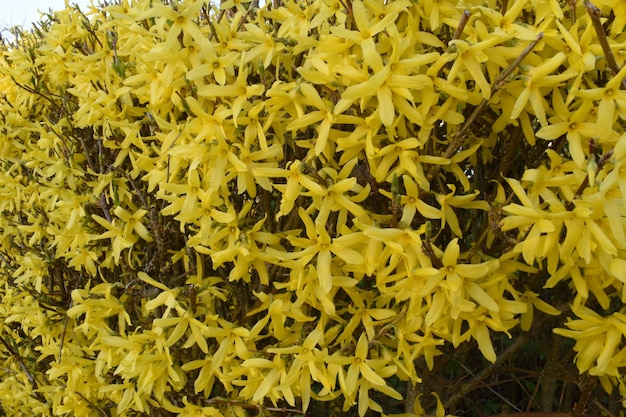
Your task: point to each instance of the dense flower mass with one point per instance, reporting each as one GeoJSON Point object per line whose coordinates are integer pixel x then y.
{"type": "Point", "coordinates": [208, 210]}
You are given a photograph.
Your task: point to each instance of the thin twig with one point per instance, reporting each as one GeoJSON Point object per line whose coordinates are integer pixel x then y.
{"type": "Point", "coordinates": [606, 412]}
{"type": "Point", "coordinates": [220, 17]}
{"type": "Point", "coordinates": [386, 327]}
{"type": "Point", "coordinates": [100, 410]}
{"type": "Point", "coordinates": [586, 386]}
{"type": "Point", "coordinates": [396, 202]}
{"type": "Point", "coordinates": [498, 83]}
{"type": "Point", "coordinates": [253, 6]}
{"type": "Point", "coordinates": [42, 95]}
{"type": "Point", "coordinates": [219, 400]}
{"type": "Point", "coordinates": [105, 207]}
{"type": "Point", "coordinates": [572, 10]}
{"type": "Point", "coordinates": [87, 153]}
{"type": "Point", "coordinates": [595, 13]}
{"type": "Point", "coordinates": [505, 4]}
{"type": "Point", "coordinates": [33, 382]}
{"type": "Point", "coordinates": [347, 4]}
{"type": "Point", "coordinates": [427, 249]}
{"type": "Point", "coordinates": [486, 372]}
{"type": "Point", "coordinates": [139, 193]}
{"type": "Point", "coordinates": [459, 30]}
{"type": "Point", "coordinates": [205, 11]}
{"type": "Point", "coordinates": [535, 414]}
{"type": "Point", "coordinates": [313, 172]}
{"type": "Point", "coordinates": [266, 198]}
{"type": "Point", "coordinates": [62, 342]}
{"type": "Point", "coordinates": [87, 26]}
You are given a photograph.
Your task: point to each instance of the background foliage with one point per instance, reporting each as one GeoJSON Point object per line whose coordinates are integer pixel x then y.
{"type": "Point", "coordinates": [325, 206]}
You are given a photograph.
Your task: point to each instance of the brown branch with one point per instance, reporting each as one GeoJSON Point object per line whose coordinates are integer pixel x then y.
{"type": "Point", "coordinates": [587, 386]}
{"type": "Point", "coordinates": [427, 249]}
{"type": "Point", "coordinates": [87, 153]}
{"type": "Point", "coordinates": [386, 327]}
{"type": "Point", "coordinates": [462, 132]}
{"type": "Point", "coordinates": [16, 356]}
{"type": "Point", "coordinates": [220, 16]}
{"type": "Point", "coordinates": [266, 200]}
{"type": "Point", "coordinates": [605, 411]}
{"type": "Point", "coordinates": [98, 409]}
{"type": "Point", "coordinates": [42, 95]}
{"type": "Point", "coordinates": [315, 174]}
{"type": "Point", "coordinates": [486, 372]}
{"type": "Point", "coordinates": [396, 202]}
{"type": "Point", "coordinates": [219, 400]}
{"type": "Point", "coordinates": [524, 414]}
{"type": "Point", "coordinates": [347, 4]}
{"type": "Point", "coordinates": [595, 13]}
{"type": "Point", "coordinates": [505, 5]}
{"type": "Point", "coordinates": [536, 414]}
{"type": "Point", "coordinates": [459, 30]}
{"type": "Point", "coordinates": [63, 334]}
{"type": "Point", "coordinates": [253, 6]}
{"type": "Point", "coordinates": [87, 26]}
{"type": "Point", "coordinates": [139, 192]}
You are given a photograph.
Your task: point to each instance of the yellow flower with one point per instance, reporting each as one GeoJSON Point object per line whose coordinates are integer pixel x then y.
{"type": "Point", "coordinates": [185, 205]}
{"type": "Point", "coordinates": [133, 223]}
{"type": "Point", "coordinates": [218, 66]}
{"type": "Point", "coordinates": [508, 23]}
{"type": "Point", "coordinates": [619, 9]}
{"type": "Point", "coordinates": [470, 57]}
{"type": "Point", "coordinates": [390, 89]}
{"type": "Point", "coordinates": [328, 9]}
{"type": "Point", "coordinates": [457, 280]}
{"type": "Point", "coordinates": [364, 36]}
{"type": "Point", "coordinates": [240, 5]}
{"type": "Point", "coordinates": [572, 124]}
{"type": "Point", "coordinates": [321, 246]}
{"type": "Point", "coordinates": [437, 11]}
{"type": "Point", "coordinates": [323, 114]}
{"type": "Point", "coordinates": [181, 22]}
{"type": "Point", "coordinates": [266, 46]}
{"type": "Point", "coordinates": [448, 201]}
{"type": "Point", "coordinates": [536, 84]}
{"type": "Point", "coordinates": [405, 152]}
{"type": "Point", "coordinates": [412, 203]}
{"type": "Point", "coordinates": [208, 217]}
{"type": "Point", "coordinates": [598, 341]}
{"type": "Point", "coordinates": [362, 374]}
{"type": "Point", "coordinates": [307, 366]}
{"type": "Point", "coordinates": [260, 383]}
{"type": "Point", "coordinates": [578, 49]}
{"type": "Point", "coordinates": [533, 301]}
{"type": "Point", "coordinates": [341, 195]}
{"type": "Point", "coordinates": [183, 323]}
{"type": "Point", "coordinates": [240, 91]}
{"type": "Point", "coordinates": [480, 332]}
{"type": "Point", "coordinates": [368, 318]}
{"type": "Point", "coordinates": [612, 104]}
{"type": "Point", "coordinates": [120, 239]}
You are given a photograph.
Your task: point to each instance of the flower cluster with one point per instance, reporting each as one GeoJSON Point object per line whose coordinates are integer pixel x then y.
{"type": "Point", "coordinates": [210, 209]}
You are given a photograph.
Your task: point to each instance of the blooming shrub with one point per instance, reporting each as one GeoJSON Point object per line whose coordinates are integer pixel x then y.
{"type": "Point", "coordinates": [222, 210]}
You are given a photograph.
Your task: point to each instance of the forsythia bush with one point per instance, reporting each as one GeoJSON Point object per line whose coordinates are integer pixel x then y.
{"type": "Point", "coordinates": [225, 210]}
